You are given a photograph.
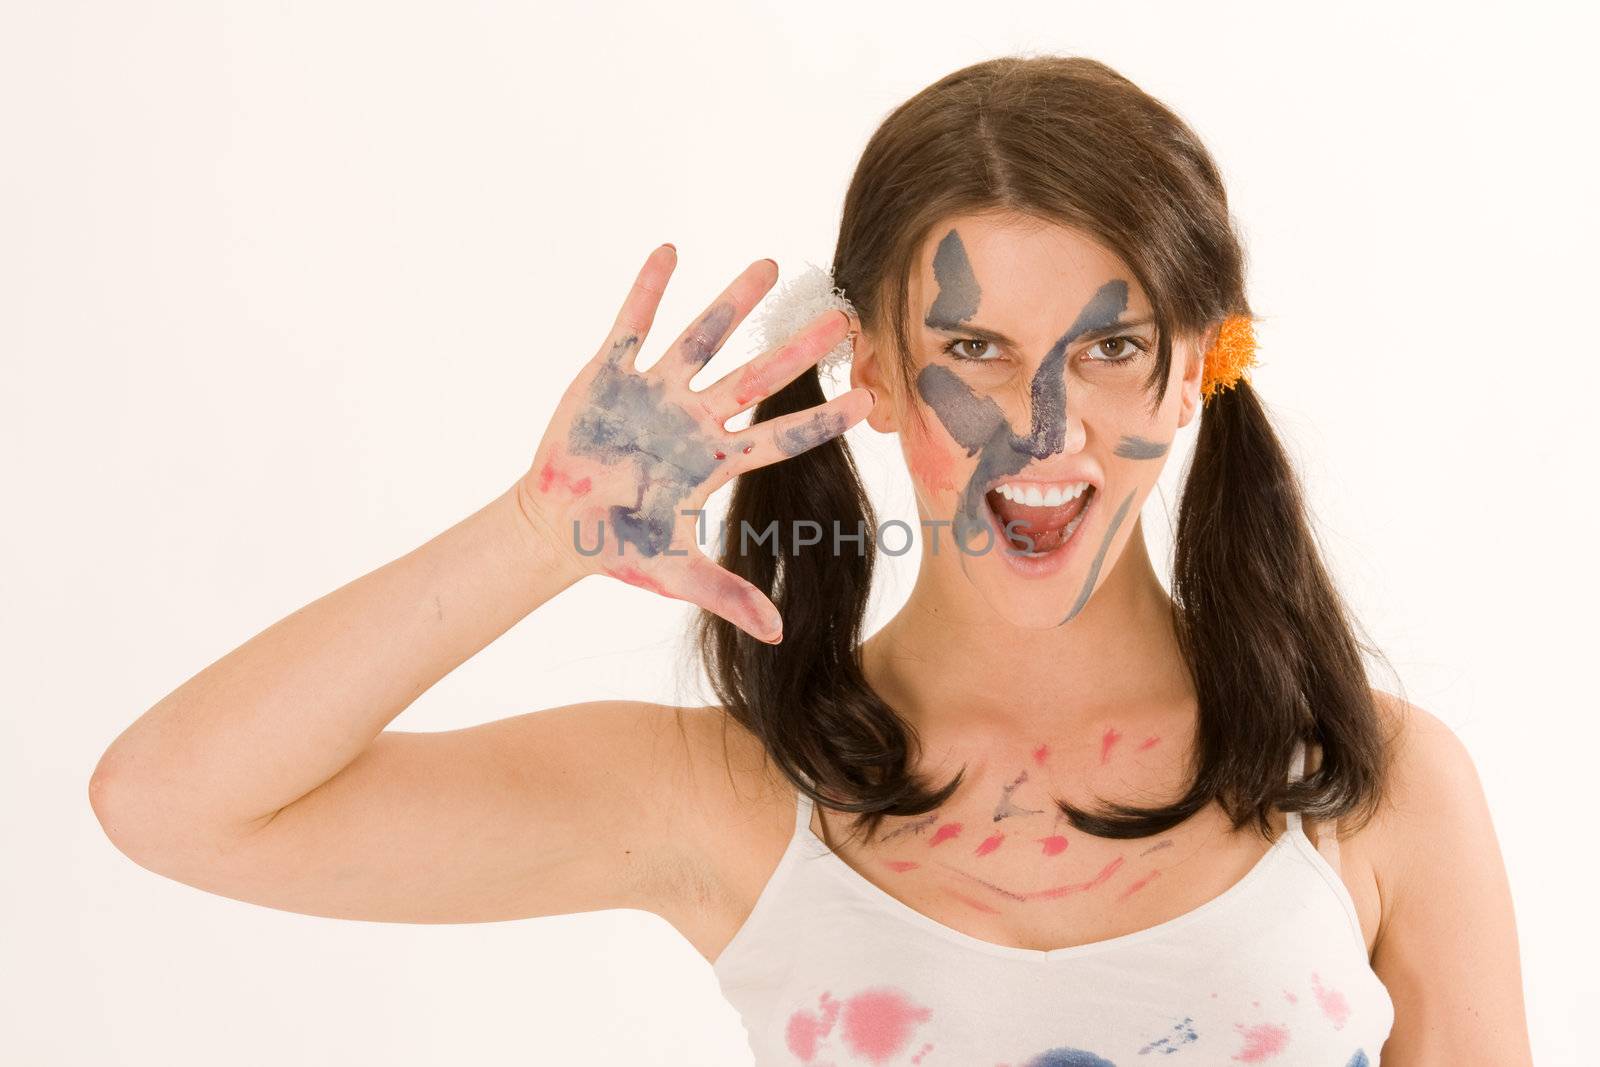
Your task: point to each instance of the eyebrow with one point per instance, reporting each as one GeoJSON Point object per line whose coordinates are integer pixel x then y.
{"type": "Point", "coordinates": [981, 333]}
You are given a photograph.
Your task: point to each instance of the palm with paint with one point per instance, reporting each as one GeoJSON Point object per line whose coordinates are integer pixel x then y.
{"type": "Point", "coordinates": [618, 482]}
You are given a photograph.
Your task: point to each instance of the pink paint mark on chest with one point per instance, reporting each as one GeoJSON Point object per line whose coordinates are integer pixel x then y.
{"type": "Point", "coordinates": [972, 902]}
{"type": "Point", "coordinates": [1041, 754]}
{"type": "Point", "coordinates": [945, 833]}
{"type": "Point", "coordinates": [1140, 884]}
{"type": "Point", "coordinates": [901, 866]}
{"type": "Point", "coordinates": [1107, 740]}
{"type": "Point", "coordinates": [1149, 742]}
{"type": "Point", "coordinates": [1290, 997]}
{"type": "Point", "coordinates": [550, 475]}
{"type": "Point", "coordinates": [1332, 1002]}
{"type": "Point", "coordinates": [879, 1023]}
{"type": "Point", "coordinates": [1053, 845]}
{"type": "Point", "coordinates": [1261, 1042]}
{"type": "Point", "coordinates": [1074, 887]}
{"type": "Point", "coordinates": [989, 844]}
{"type": "Point", "coordinates": [806, 1028]}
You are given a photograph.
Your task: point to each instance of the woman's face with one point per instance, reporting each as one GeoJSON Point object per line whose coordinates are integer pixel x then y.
{"type": "Point", "coordinates": [1029, 431]}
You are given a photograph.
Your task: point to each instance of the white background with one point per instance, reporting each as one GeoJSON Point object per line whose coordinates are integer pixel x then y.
{"type": "Point", "coordinates": [287, 289]}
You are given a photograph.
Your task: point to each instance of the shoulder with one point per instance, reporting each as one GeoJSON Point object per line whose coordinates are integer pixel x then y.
{"type": "Point", "coordinates": [1430, 786]}
{"type": "Point", "coordinates": [1440, 873]}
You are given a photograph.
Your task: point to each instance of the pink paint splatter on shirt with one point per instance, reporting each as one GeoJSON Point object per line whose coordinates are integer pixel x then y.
{"type": "Point", "coordinates": [806, 1029]}
{"type": "Point", "coordinates": [1041, 754]}
{"type": "Point", "coordinates": [1333, 1003]}
{"type": "Point", "coordinates": [921, 1052]}
{"type": "Point", "coordinates": [989, 844]}
{"type": "Point", "coordinates": [1148, 742]}
{"type": "Point", "coordinates": [1292, 999]}
{"type": "Point", "coordinates": [880, 1023]}
{"type": "Point", "coordinates": [1261, 1042]}
{"type": "Point", "coordinates": [945, 833]}
{"type": "Point", "coordinates": [1110, 738]}
{"type": "Point", "coordinates": [1054, 845]}
{"type": "Point", "coordinates": [901, 866]}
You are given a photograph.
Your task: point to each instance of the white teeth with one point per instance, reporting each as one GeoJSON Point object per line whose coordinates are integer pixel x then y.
{"type": "Point", "coordinates": [1038, 495]}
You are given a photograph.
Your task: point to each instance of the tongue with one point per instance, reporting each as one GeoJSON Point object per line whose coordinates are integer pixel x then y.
{"type": "Point", "coordinates": [1042, 524]}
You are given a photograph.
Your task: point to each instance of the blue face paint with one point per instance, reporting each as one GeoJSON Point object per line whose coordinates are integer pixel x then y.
{"type": "Point", "coordinates": [978, 425]}
{"type": "Point", "coordinates": [958, 286]}
{"type": "Point", "coordinates": [1134, 447]}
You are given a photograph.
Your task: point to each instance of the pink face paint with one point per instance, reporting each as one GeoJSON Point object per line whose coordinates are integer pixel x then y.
{"type": "Point", "coordinates": [1140, 884]}
{"type": "Point", "coordinates": [1041, 754]}
{"type": "Point", "coordinates": [1261, 1041]}
{"type": "Point", "coordinates": [1148, 742]}
{"type": "Point", "coordinates": [989, 844]}
{"type": "Point", "coordinates": [931, 465]}
{"type": "Point", "coordinates": [901, 866]}
{"type": "Point", "coordinates": [1053, 845]}
{"type": "Point", "coordinates": [1332, 1002]}
{"type": "Point", "coordinates": [945, 833]}
{"type": "Point", "coordinates": [1111, 737]}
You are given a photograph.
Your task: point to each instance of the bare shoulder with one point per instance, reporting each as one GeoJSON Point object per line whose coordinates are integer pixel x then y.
{"type": "Point", "coordinates": [1432, 792]}
{"type": "Point", "coordinates": [1440, 872]}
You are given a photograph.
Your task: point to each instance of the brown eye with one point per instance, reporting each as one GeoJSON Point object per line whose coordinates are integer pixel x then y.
{"type": "Point", "coordinates": [955, 350]}
{"type": "Point", "coordinates": [1118, 350]}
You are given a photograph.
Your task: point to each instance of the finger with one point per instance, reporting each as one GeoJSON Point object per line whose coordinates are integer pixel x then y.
{"type": "Point", "coordinates": [767, 373]}
{"type": "Point", "coordinates": [789, 435]}
{"type": "Point", "coordinates": [639, 309]}
{"type": "Point", "coordinates": [701, 582]}
{"type": "Point", "coordinates": [704, 337]}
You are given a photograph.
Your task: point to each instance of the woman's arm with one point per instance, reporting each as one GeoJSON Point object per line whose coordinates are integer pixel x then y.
{"type": "Point", "coordinates": [269, 776]}
{"type": "Point", "coordinates": [1447, 942]}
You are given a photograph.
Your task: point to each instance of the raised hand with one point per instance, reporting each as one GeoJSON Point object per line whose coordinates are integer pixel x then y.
{"type": "Point", "coordinates": [628, 452]}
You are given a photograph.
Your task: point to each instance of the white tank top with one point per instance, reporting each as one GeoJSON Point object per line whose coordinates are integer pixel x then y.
{"type": "Point", "coordinates": [829, 970]}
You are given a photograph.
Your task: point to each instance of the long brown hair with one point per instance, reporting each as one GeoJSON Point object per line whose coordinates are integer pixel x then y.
{"type": "Point", "coordinates": [1270, 644]}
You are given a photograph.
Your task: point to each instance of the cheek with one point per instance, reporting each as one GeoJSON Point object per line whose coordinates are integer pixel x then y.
{"type": "Point", "coordinates": [932, 461]}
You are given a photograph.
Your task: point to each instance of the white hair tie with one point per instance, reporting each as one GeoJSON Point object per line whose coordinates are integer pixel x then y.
{"type": "Point", "coordinates": [795, 303]}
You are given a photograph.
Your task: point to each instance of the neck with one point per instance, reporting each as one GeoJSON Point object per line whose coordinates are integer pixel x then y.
{"type": "Point", "coordinates": [964, 678]}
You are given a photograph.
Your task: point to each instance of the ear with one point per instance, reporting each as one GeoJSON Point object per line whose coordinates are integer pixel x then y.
{"type": "Point", "coordinates": [1193, 351]}
{"type": "Point", "coordinates": [867, 368]}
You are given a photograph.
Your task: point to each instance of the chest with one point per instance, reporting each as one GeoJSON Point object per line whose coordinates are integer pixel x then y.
{"type": "Point", "coordinates": [1016, 873]}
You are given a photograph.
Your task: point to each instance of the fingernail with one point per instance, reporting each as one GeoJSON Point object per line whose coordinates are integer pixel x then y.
{"type": "Point", "coordinates": [670, 245]}
{"type": "Point", "coordinates": [773, 262]}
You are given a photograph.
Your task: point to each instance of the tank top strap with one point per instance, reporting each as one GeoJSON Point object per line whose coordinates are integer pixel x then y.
{"type": "Point", "coordinates": [802, 811]}
{"type": "Point", "coordinates": [1297, 768]}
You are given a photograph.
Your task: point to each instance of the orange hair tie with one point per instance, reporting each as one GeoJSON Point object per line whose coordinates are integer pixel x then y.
{"type": "Point", "coordinates": [1229, 355]}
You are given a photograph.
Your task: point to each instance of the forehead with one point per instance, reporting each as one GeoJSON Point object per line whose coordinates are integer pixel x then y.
{"type": "Point", "coordinates": [1023, 267]}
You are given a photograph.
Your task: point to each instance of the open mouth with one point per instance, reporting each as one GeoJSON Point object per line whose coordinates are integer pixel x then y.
{"type": "Point", "coordinates": [1037, 515]}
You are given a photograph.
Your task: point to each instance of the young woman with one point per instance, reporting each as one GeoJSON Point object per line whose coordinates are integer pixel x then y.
{"type": "Point", "coordinates": [1048, 814]}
